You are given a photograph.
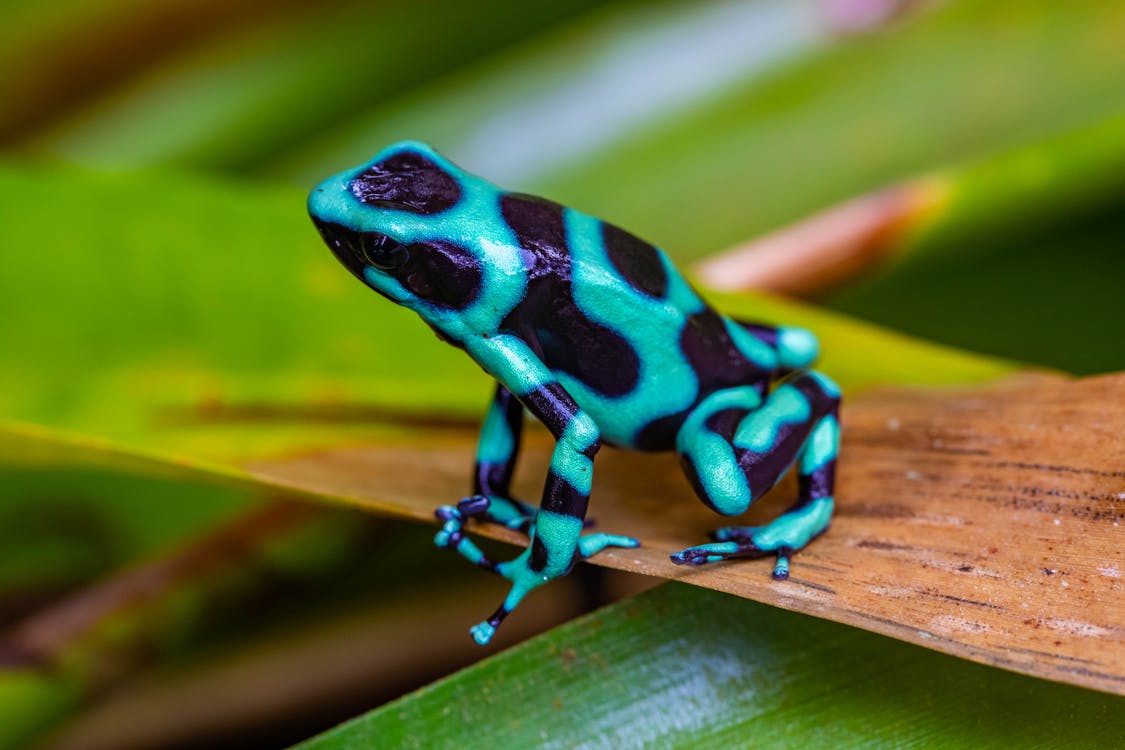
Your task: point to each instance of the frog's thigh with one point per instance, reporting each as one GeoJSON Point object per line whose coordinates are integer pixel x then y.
{"type": "Point", "coordinates": [735, 447]}
{"type": "Point", "coordinates": [707, 453]}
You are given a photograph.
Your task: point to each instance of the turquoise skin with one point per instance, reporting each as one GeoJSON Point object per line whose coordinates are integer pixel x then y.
{"type": "Point", "coordinates": [598, 335]}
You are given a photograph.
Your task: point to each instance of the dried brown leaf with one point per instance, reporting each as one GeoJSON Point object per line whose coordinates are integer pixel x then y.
{"type": "Point", "coordinates": [984, 522]}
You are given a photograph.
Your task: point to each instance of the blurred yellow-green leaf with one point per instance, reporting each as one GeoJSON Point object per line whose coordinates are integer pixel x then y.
{"type": "Point", "coordinates": [232, 333]}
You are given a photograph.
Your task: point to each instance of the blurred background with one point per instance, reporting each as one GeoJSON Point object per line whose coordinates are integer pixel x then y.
{"type": "Point", "coordinates": [160, 284]}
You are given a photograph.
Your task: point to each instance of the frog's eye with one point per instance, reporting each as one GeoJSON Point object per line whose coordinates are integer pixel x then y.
{"type": "Point", "coordinates": [382, 252]}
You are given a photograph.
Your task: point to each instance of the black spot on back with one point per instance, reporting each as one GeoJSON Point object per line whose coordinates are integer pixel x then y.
{"type": "Point", "coordinates": [598, 356]}
{"type": "Point", "coordinates": [637, 261]}
{"type": "Point", "coordinates": [714, 357]}
{"type": "Point", "coordinates": [568, 341]}
{"type": "Point", "coordinates": [407, 181]}
{"type": "Point", "coordinates": [442, 273]}
{"type": "Point", "coordinates": [538, 226]}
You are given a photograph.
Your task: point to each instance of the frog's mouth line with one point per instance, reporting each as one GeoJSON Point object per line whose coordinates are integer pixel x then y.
{"type": "Point", "coordinates": [337, 238]}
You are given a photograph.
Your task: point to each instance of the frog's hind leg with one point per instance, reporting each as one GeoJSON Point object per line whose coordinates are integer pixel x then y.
{"type": "Point", "coordinates": [735, 447]}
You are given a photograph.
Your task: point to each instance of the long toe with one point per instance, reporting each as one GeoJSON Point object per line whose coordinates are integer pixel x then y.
{"type": "Point", "coordinates": [706, 553]}
{"type": "Point", "coordinates": [592, 544]}
{"type": "Point", "coordinates": [447, 513]}
{"type": "Point", "coordinates": [473, 506]}
{"type": "Point", "coordinates": [781, 568]}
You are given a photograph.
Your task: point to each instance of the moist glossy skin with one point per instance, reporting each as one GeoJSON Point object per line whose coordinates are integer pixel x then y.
{"type": "Point", "coordinates": [596, 334]}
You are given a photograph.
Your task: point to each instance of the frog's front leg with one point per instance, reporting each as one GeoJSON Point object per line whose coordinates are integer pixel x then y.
{"type": "Point", "coordinates": [556, 532]}
{"type": "Point", "coordinates": [497, 451]}
{"type": "Point", "coordinates": [735, 447]}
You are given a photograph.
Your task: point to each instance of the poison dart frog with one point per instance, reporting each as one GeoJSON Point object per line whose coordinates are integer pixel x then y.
{"type": "Point", "coordinates": [597, 334]}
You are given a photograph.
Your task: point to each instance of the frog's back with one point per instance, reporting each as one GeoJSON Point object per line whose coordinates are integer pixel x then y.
{"type": "Point", "coordinates": [618, 324]}
{"type": "Point", "coordinates": [606, 312]}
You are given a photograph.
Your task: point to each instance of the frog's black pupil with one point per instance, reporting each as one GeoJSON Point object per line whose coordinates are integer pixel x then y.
{"type": "Point", "coordinates": [382, 252]}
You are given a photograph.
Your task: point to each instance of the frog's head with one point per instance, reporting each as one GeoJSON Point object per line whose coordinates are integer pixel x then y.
{"type": "Point", "coordinates": [382, 220]}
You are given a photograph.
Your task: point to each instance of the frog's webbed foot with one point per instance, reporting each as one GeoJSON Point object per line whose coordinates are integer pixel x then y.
{"type": "Point", "coordinates": [784, 535]}
{"type": "Point", "coordinates": [507, 512]}
{"type": "Point", "coordinates": [735, 430]}
{"type": "Point", "coordinates": [525, 578]}
{"type": "Point", "coordinates": [731, 548]}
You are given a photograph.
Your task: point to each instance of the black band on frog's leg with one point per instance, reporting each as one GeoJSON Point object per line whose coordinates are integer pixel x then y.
{"type": "Point", "coordinates": [565, 493]}
{"type": "Point", "coordinates": [497, 452]}
{"type": "Point", "coordinates": [499, 445]}
{"type": "Point", "coordinates": [556, 533]}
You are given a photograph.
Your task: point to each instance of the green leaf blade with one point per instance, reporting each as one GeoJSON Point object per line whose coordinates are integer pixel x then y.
{"type": "Point", "coordinates": [678, 667]}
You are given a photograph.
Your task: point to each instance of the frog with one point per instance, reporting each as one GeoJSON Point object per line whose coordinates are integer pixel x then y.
{"type": "Point", "coordinates": [597, 335]}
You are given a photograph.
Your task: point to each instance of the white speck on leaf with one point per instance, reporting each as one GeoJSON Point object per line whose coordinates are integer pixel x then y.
{"type": "Point", "coordinates": [1078, 627]}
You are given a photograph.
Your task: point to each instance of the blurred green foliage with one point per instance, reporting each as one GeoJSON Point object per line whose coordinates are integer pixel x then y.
{"type": "Point", "coordinates": [959, 83]}
{"type": "Point", "coordinates": [63, 526]}
{"type": "Point", "coordinates": [238, 98]}
{"type": "Point", "coordinates": [229, 339]}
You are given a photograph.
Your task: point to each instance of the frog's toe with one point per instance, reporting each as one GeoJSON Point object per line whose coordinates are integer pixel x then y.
{"type": "Point", "coordinates": [735, 543]}
{"type": "Point", "coordinates": [592, 544]}
{"type": "Point", "coordinates": [751, 541]}
{"type": "Point", "coordinates": [473, 506]}
{"type": "Point", "coordinates": [452, 530]}
{"type": "Point", "coordinates": [708, 553]}
{"type": "Point", "coordinates": [505, 511]}
{"type": "Point", "coordinates": [482, 632]}
{"type": "Point", "coordinates": [452, 536]}
{"type": "Point", "coordinates": [447, 513]}
{"type": "Point", "coordinates": [781, 567]}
